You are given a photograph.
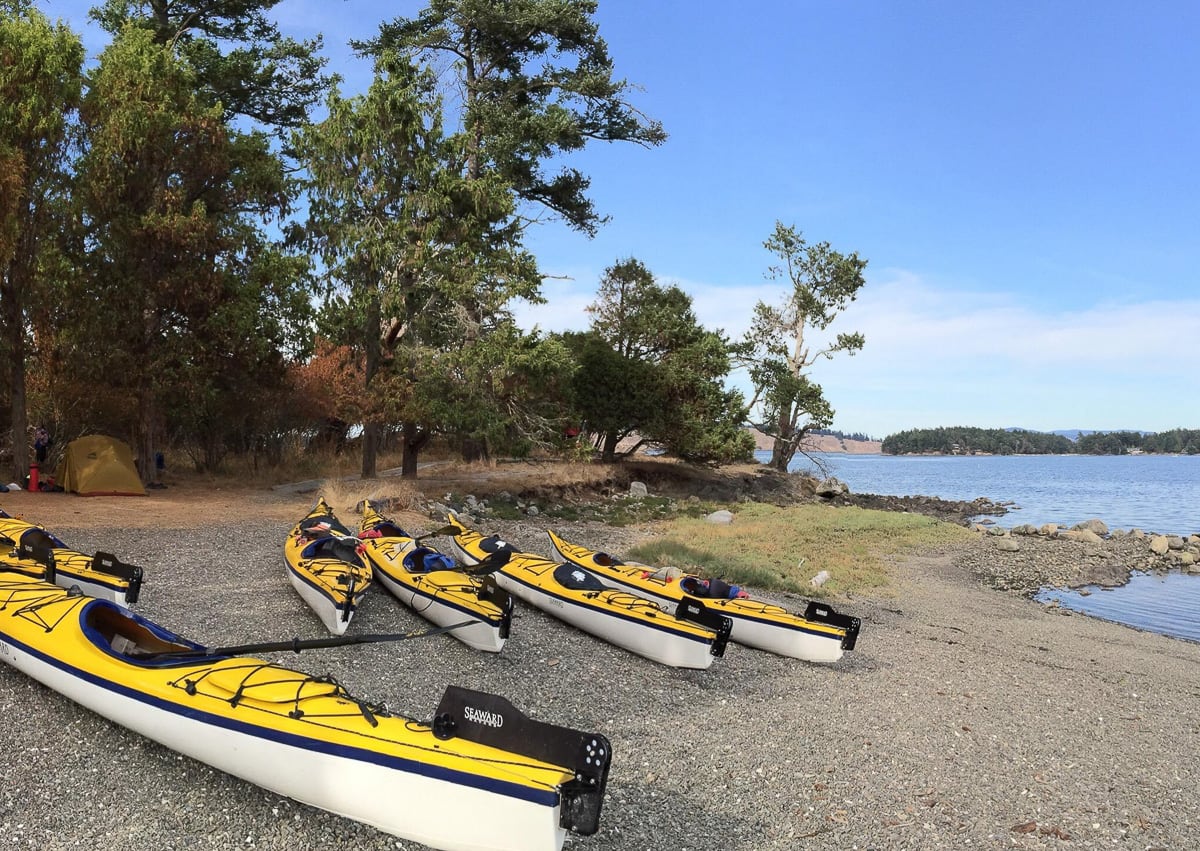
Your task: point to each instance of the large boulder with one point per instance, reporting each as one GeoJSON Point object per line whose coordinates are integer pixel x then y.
{"type": "Point", "coordinates": [1093, 525]}
{"type": "Point", "coordinates": [832, 488]}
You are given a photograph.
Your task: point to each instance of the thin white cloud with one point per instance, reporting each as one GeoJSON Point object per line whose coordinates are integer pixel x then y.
{"type": "Point", "coordinates": [936, 355]}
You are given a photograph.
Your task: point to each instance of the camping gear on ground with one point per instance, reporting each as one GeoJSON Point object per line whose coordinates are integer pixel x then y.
{"type": "Point", "coordinates": [33, 551]}
{"type": "Point", "coordinates": [98, 465]}
{"type": "Point", "coordinates": [685, 636]}
{"type": "Point", "coordinates": [433, 585]}
{"type": "Point", "coordinates": [325, 567]}
{"type": "Point", "coordinates": [819, 635]}
{"type": "Point", "coordinates": [480, 775]}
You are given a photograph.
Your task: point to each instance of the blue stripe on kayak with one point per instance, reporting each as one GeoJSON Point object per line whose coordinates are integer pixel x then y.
{"type": "Point", "coordinates": [433, 598]}
{"type": "Point", "coordinates": [506, 788]}
{"type": "Point", "coordinates": [653, 623]}
{"type": "Point", "coordinates": [723, 610]}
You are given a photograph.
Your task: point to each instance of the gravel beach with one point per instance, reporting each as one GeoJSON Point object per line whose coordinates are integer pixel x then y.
{"type": "Point", "coordinates": [967, 717]}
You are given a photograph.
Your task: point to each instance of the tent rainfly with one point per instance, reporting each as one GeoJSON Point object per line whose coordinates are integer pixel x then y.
{"type": "Point", "coordinates": [98, 465]}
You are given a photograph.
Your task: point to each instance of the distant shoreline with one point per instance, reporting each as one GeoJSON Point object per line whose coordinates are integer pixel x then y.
{"type": "Point", "coordinates": [825, 443]}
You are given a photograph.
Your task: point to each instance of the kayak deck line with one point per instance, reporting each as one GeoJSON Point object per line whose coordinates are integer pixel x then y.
{"type": "Point", "coordinates": [39, 553]}
{"type": "Point", "coordinates": [820, 634]}
{"type": "Point", "coordinates": [432, 584]}
{"type": "Point", "coordinates": [277, 727]}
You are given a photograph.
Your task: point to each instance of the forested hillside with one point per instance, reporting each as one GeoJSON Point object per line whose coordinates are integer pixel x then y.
{"type": "Point", "coordinates": [965, 440]}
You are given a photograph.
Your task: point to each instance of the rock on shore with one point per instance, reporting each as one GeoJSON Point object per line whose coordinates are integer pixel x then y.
{"type": "Point", "coordinates": [1027, 558]}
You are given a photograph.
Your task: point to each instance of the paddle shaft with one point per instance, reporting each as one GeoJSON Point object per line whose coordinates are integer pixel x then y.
{"type": "Point", "coordinates": [298, 644]}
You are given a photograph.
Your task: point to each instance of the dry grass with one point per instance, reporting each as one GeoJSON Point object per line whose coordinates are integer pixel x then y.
{"type": "Point", "coordinates": [396, 497]}
{"type": "Point", "coordinates": [771, 547]}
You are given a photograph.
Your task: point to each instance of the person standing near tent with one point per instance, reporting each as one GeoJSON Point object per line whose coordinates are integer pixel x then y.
{"type": "Point", "coordinates": [41, 444]}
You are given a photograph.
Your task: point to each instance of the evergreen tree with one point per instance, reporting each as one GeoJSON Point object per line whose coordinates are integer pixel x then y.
{"type": "Point", "coordinates": [536, 83]}
{"type": "Point", "coordinates": [40, 86]}
{"type": "Point", "coordinates": [647, 366]}
{"type": "Point", "coordinates": [408, 239]}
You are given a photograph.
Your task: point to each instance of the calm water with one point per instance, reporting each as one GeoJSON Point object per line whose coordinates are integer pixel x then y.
{"type": "Point", "coordinates": [1149, 492]}
{"type": "Point", "coordinates": [1166, 604]}
{"type": "Point", "coordinates": [1159, 493]}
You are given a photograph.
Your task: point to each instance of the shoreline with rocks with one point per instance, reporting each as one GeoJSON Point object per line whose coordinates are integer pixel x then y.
{"type": "Point", "coordinates": [1027, 558]}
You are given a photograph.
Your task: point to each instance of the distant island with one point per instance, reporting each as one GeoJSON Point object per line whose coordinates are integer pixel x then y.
{"type": "Point", "coordinates": [826, 440]}
{"type": "Point", "coordinates": [964, 440]}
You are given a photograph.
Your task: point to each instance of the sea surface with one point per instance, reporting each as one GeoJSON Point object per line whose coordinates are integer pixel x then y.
{"type": "Point", "coordinates": [1154, 493]}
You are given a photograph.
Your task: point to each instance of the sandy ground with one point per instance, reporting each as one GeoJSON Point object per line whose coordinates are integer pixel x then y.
{"type": "Point", "coordinates": [966, 718]}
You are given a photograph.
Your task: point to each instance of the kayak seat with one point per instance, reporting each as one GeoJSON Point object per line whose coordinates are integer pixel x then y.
{"type": "Point", "coordinates": [35, 538]}
{"type": "Point", "coordinates": [325, 524]}
{"type": "Point", "coordinates": [105, 626]}
{"type": "Point", "coordinates": [578, 579]}
{"type": "Point", "coordinates": [388, 529]}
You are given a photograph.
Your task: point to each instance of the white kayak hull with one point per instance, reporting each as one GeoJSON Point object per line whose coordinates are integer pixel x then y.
{"type": "Point", "coordinates": [479, 635]}
{"type": "Point", "coordinates": [659, 645]}
{"type": "Point", "coordinates": [783, 639]}
{"type": "Point", "coordinates": [331, 614]}
{"type": "Point", "coordinates": [423, 808]}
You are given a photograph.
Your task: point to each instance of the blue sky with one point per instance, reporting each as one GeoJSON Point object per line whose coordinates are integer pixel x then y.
{"type": "Point", "coordinates": [1022, 178]}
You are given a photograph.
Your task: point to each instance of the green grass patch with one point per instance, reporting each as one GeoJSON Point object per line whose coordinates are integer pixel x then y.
{"type": "Point", "coordinates": [783, 548]}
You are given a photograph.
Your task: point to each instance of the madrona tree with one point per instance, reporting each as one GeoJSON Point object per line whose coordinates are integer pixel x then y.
{"type": "Point", "coordinates": [779, 349]}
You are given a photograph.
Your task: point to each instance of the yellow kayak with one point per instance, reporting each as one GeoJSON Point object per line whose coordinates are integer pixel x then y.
{"type": "Point", "coordinates": [31, 550]}
{"type": "Point", "coordinates": [480, 777]}
{"type": "Point", "coordinates": [433, 586]}
{"type": "Point", "coordinates": [684, 636]}
{"type": "Point", "coordinates": [325, 567]}
{"type": "Point", "coordinates": [819, 635]}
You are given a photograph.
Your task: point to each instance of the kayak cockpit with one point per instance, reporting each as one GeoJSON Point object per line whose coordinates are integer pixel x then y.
{"type": "Point", "coordinates": [120, 632]}
{"type": "Point", "coordinates": [424, 560]}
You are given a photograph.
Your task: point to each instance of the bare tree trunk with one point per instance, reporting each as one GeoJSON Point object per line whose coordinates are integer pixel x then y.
{"type": "Point", "coordinates": [608, 453]}
{"type": "Point", "coordinates": [414, 439]}
{"type": "Point", "coordinates": [475, 450]}
{"type": "Point", "coordinates": [780, 455]}
{"type": "Point", "coordinates": [20, 421]}
{"type": "Point", "coordinates": [370, 450]}
{"type": "Point", "coordinates": [787, 441]}
{"type": "Point", "coordinates": [370, 437]}
{"type": "Point", "coordinates": [13, 284]}
{"type": "Point", "coordinates": [145, 442]}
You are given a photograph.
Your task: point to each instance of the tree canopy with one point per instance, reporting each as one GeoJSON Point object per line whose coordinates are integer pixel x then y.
{"type": "Point", "coordinates": [40, 86]}
{"type": "Point", "coordinates": [536, 83]}
{"type": "Point", "coordinates": [647, 367]}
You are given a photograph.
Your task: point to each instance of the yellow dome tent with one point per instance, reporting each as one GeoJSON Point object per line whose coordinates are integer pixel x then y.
{"type": "Point", "coordinates": [98, 465]}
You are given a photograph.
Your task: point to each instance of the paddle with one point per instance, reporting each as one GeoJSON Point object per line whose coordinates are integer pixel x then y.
{"type": "Point", "coordinates": [489, 564]}
{"type": "Point", "coordinates": [298, 644]}
{"type": "Point", "coordinates": [437, 533]}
